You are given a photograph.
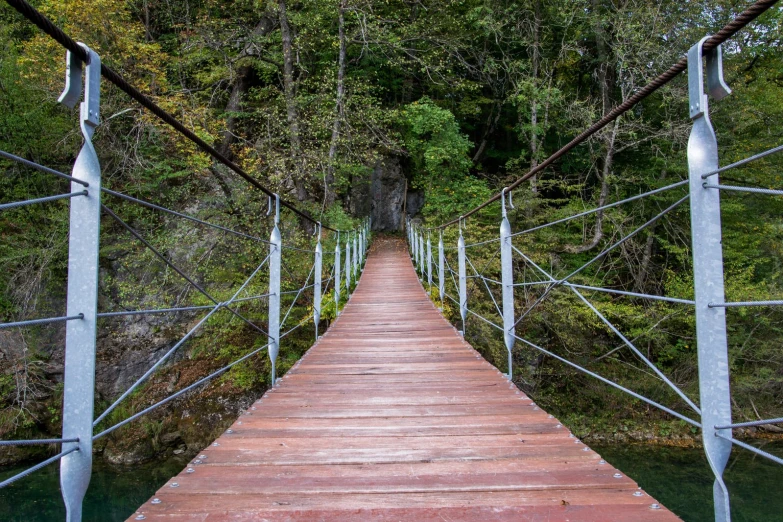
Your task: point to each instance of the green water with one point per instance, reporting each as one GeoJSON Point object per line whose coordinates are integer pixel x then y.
{"type": "Point", "coordinates": [680, 479]}
{"type": "Point", "coordinates": [114, 493]}
{"type": "Point", "coordinates": [677, 477]}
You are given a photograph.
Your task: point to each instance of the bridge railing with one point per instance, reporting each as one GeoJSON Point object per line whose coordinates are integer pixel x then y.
{"type": "Point", "coordinates": [80, 428]}
{"type": "Point", "coordinates": [507, 269]}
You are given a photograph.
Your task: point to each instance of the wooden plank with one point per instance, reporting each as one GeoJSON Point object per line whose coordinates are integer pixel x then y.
{"type": "Point", "coordinates": [391, 415]}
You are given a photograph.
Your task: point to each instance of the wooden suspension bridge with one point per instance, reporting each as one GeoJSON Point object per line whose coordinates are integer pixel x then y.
{"type": "Point", "coordinates": [391, 415]}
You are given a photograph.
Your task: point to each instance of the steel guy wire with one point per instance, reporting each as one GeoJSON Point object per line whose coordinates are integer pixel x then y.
{"type": "Point", "coordinates": [38, 466]}
{"type": "Point", "coordinates": [31, 164]}
{"type": "Point", "coordinates": [627, 237]}
{"type": "Point", "coordinates": [752, 449]}
{"type": "Point", "coordinates": [609, 382]}
{"type": "Point", "coordinates": [181, 215]}
{"type": "Point", "coordinates": [744, 161]}
{"type": "Point", "coordinates": [483, 242]}
{"type": "Point", "coordinates": [154, 367]}
{"type": "Point", "coordinates": [745, 303]}
{"type": "Point", "coordinates": [598, 209]}
{"type": "Point", "coordinates": [614, 329]}
{"type": "Point", "coordinates": [751, 423]}
{"type": "Point", "coordinates": [634, 294]}
{"type": "Point", "coordinates": [500, 312]}
{"type": "Point", "coordinates": [638, 353]}
{"type": "Point", "coordinates": [731, 188]}
{"type": "Point", "coordinates": [285, 317]}
{"type": "Point", "coordinates": [35, 442]}
{"type": "Point", "coordinates": [33, 322]}
{"type": "Point", "coordinates": [178, 394]}
{"type": "Point", "coordinates": [17, 204]}
{"type": "Point", "coordinates": [176, 346]}
{"type": "Point", "coordinates": [153, 311]}
{"type": "Point", "coordinates": [176, 269]}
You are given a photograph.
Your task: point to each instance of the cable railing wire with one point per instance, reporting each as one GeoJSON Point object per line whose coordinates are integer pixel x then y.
{"type": "Point", "coordinates": [745, 161]}
{"type": "Point", "coordinates": [604, 207]}
{"type": "Point", "coordinates": [38, 466]}
{"type": "Point", "coordinates": [181, 215]}
{"type": "Point", "coordinates": [178, 394]}
{"type": "Point", "coordinates": [176, 346]}
{"type": "Point", "coordinates": [47, 199]}
{"type": "Point", "coordinates": [171, 265]}
{"type": "Point", "coordinates": [36, 322]}
{"type": "Point", "coordinates": [33, 165]}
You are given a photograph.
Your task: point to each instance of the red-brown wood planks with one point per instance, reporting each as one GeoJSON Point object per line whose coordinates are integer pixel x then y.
{"type": "Point", "coordinates": [391, 415]}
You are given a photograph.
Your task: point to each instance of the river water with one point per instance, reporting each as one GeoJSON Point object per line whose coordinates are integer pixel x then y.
{"type": "Point", "coordinates": [677, 477]}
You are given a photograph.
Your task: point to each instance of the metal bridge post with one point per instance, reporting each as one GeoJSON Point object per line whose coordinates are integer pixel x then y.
{"type": "Point", "coordinates": [711, 338]}
{"type": "Point", "coordinates": [337, 276]}
{"type": "Point", "coordinates": [463, 286]}
{"type": "Point", "coordinates": [429, 261]}
{"type": "Point", "coordinates": [361, 246]}
{"type": "Point", "coordinates": [83, 243]}
{"type": "Point", "coordinates": [421, 255]}
{"type": "Point", "coordinates": [441, 271]}
{"type": "Point", "coordinates": [275, 257]}
{"type": "Point", "coordinates": [348, 266]}
{"type": "Point", "coordinates": [507, 280]}
{"type": "Point", "coordinates": [409, 230]}
{"type": "Point", "coordinates": [317, 282]}
{"type": "Point", "coordinates": [356, 255]}
{"type": "Point", "coordinates": [416, 249]}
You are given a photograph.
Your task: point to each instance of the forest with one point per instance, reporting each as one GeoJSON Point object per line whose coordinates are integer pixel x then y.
{"type": "Point", "coordinates": [453, 99]}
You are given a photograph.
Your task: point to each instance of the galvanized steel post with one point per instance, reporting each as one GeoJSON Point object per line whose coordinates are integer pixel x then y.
{"type": "Point", "coordinates": [348, 266]}
{"type": "Point", "coordinates": [409, 230]}
{"type": "Point", "coordinates": [441, 270]}
{"type": "Point", "coordinates": [429, 261]}
{"type": "Point", "coordinates": [361, 246]}
{"type": "Point", "coordinates": [463, 280]}
{"type": "Point", "coordinates": [711, 338]}
{"type": "Point", "coordinates": [275, 257]}
{"type": "Point", "coordinates": [421, 255]}
{"type": "Point", "coordinates": [317, 268]}
{"type": "Point", "coordinates": [507, 280]}
{"type": "Point", "coordinates": [337, 275]}
{"type": "Point", "coordinates": [356, 255]}
{"type": "Point", "coordinates": [83, 243]}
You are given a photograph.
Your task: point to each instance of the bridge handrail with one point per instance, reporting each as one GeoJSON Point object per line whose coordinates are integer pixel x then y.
{"type": "Point", "coordinates": [83, 275]}
{"type": "Point", "coordinates": [708, 305]}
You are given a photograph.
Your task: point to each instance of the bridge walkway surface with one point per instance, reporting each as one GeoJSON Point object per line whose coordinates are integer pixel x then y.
{"type": "Point", "coordinates": [391, 415]}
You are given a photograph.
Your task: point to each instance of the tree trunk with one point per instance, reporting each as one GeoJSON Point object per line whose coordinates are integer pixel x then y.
{"type": "Point", "coordinates": [329, 195]}
{"type": "Point", "coordinates": [234, 105]}
{"type": "Point", "coordinates": [536, 58]}
{"type": "Point", "coordinates": [644, 266]}
{"type": "Point", "coordinates": [492, 123]}
{"type": "Point", "coordinates": [292, 115]}
{"type": "Point", "coordinates": [606, 81]}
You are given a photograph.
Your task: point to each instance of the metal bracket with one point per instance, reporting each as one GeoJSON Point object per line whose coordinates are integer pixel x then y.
{"type": "Point", "coordinates": [91, 106]}
{"type": "Point", "coordinates": [503, 201]}
{"type": "Point", "coordinates": [716, 85]}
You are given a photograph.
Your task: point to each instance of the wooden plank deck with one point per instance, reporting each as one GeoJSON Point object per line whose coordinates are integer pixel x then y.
{"type": "Point", "coordinates": [393, 416]}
